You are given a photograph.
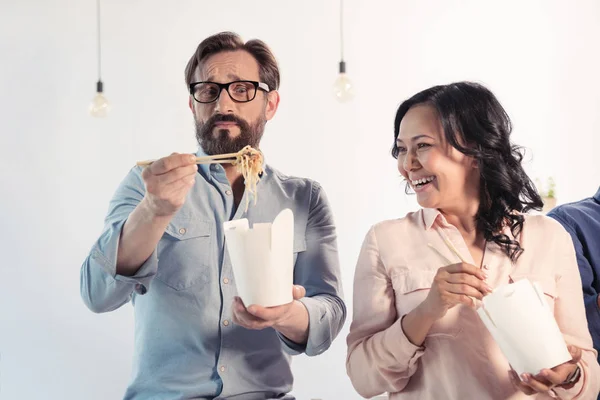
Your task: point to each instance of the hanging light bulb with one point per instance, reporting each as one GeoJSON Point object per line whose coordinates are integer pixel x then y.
{"type": "Point", "coordinates": [100, 106]}
{"type": "Point", "coordinates": [343, 89]}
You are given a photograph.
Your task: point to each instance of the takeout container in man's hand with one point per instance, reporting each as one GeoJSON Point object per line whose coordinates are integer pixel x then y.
{"type": "Point", "coordinates": [262, 258]}
{"type": "Point", "coordinates": [524, 327]}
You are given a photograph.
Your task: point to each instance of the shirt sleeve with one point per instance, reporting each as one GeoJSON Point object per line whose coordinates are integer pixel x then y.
{"type": "Point", "coordinates": [569, 313]}
{"type": "Point", "coordinates": [318, 270]}
{"type": "Point", "coordinates": [380, 356]}
{"type": "Point", "coordinates": [586, 272]}
{"type": "Point", "coordinates": [102, 289]}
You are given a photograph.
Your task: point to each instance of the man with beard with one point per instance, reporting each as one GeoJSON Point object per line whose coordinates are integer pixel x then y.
{"type": "Point", "coordinates": [163, 248]}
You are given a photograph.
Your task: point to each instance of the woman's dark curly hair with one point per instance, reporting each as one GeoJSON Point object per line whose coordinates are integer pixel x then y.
{"type": "Point", "coordinates": [471, 114]}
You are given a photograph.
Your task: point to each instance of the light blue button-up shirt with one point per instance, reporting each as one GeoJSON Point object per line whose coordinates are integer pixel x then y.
{"type": "Point", "coordinates": [186, 345]}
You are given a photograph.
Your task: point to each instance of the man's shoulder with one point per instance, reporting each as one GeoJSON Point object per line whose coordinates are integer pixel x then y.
{"type": "Point", "coordinates": [291, 182]}
{"type": "Point", "coordinates": [574, 212]}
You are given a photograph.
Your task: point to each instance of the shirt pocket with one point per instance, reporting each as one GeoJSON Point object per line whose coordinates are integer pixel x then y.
{"type": "Point", "coordinates": [185, 252]}
{"type": "Point", "coordinates": [411, 289]}
{"type": "Point", "coordinates": [547, 282]}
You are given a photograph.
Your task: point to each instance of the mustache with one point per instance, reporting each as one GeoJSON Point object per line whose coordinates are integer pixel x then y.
{"type": "Point", "coordinates": [212, 121]}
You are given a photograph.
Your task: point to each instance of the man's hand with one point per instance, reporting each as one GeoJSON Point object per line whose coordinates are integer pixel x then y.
{"type": "Point", "coordinates": [168, 182]}
{"type": "Point", "coordinates": [291, 319]}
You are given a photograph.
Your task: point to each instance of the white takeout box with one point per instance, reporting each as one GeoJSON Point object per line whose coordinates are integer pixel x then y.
{"type": "Point", "coordinates": [262, 258]}
{"type": "Point", "coordinates": [523, 326]}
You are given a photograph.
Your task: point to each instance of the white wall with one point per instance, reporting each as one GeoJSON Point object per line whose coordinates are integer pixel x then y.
{"type": "Point", "coordinates": [60, 166]}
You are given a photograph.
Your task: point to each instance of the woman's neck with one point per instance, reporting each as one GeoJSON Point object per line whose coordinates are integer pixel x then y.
{"type": "Point", "coordinates": [464, 219]}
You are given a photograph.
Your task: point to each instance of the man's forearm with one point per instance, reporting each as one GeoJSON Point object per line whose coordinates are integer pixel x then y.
{"type": "Point", "coordinates": [139, 237]}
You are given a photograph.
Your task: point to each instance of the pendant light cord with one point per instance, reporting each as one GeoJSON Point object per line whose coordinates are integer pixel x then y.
{"type": "Point", "coordinates": [98, 37]}
{"type": "Point", "coordinates": [341, 30]}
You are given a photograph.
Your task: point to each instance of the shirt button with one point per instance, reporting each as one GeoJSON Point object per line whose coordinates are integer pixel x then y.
{"type": "Point", "coordinates": [222, 369]}
{"type": "Point", "coordinates": [486, 267]}
{"type": "Point", "coordinates": [139, 288]}
{"type": "Point", "coordinates": [228, 192]}
{"type": "Point", "coordinates": [226, 323]}
{"type": "Point", "coordinates": [225, 281]}
{"type": "Point", "coordinates": [182, 231]}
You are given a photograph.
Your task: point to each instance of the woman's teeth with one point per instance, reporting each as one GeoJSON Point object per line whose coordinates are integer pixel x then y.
{"type": "Point", "coordinates": [422, 181]}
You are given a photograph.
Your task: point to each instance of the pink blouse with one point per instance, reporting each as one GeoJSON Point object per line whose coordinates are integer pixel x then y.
{"type": "Point", "coordinates": [459, 358]}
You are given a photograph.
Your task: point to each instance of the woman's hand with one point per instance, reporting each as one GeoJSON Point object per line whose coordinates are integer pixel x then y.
{"type": "Point", "coordinates": [455, 284]}
{"type": "Point", "coordinates": [547, 378]}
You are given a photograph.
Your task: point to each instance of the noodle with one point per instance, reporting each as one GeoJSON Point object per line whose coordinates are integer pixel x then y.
{"type": "Point", "coordinates": [249, 163]}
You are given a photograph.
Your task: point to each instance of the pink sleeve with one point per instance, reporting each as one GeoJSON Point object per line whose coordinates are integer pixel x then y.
{"type": "Point", "coordinates": [380, 356]}
{"type": "Point", "coordinates": [569, 312]}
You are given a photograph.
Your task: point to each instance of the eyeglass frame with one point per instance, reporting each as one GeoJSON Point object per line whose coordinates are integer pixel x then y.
{"type": "Point", "coordinates": [257, 85]}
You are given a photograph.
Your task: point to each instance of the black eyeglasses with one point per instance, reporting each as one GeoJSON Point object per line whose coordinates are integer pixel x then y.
{"type": "Point", "coordinates": [239, 91]}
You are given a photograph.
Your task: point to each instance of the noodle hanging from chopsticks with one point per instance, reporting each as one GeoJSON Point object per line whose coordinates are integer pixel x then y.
{"type": "Point", "coordinates": [249, 162]}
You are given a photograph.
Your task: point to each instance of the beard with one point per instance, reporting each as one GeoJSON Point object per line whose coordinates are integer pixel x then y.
{"type": "Point", "coordinates": [220, 142]}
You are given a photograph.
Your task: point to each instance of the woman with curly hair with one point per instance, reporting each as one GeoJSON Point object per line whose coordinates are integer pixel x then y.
{"type": "Point", "coordinates": [415, 332]}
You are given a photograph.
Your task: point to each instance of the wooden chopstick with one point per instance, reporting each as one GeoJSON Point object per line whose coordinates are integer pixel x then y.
{"type": "Point", "coordinates": [452, 248]}
{"type": "Point", "coordinates": [144, 163]}
{"type": "Point", "coordinates": [217, 157]}
{"type": "Point", "coordinates": [455, 251]}
{"type": "Point", "coordinates": [202, 160]}
{"type": "Point", "coordinates": [220, 161]}
{"type": "Point", "coordinates": [199, 160]}
{"type": "Point", "coordinates": [439, 253]}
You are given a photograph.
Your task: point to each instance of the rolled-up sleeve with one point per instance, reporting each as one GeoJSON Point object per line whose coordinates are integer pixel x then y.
{"type": "Point", "coordinates": [102, 289]}
{"type": "Point", "coordinates": [380, 356]}
{"type": "Point", "coordinates": [318, 270]}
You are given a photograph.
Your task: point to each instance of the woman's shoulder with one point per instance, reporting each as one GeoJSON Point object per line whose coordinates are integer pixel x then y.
{"type": "Point", "coordinates": [541, 224]}
{"type": "Point", "coordinates": [397, 235]}
{"type": "Point", "coordinates": [412, 220]}
{"type": "Point", "coordinates": [545, 231]}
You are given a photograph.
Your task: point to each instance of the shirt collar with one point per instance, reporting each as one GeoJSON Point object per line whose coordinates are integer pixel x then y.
{"type": "Point", "coordinates": [597, 196]}
{"type": "Point", "coordinates": [202, 167]}
{"type": "Point", "coordinates": [430, 215]}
